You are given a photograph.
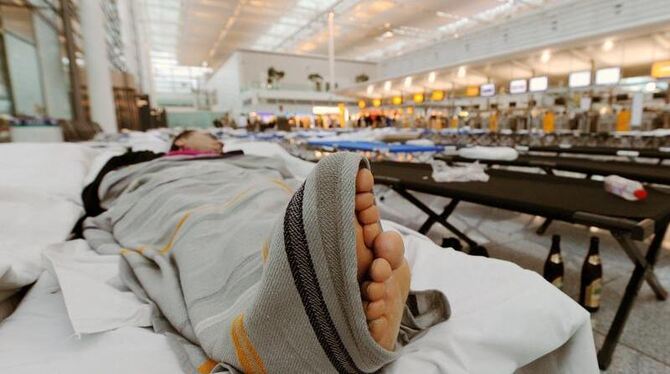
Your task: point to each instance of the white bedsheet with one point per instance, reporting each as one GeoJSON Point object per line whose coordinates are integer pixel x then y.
{"type": "Point", "coordinates": [503, 319]}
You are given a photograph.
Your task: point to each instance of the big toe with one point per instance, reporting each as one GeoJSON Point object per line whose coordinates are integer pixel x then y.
{"type": "Point", "coordinates": [389, 246]}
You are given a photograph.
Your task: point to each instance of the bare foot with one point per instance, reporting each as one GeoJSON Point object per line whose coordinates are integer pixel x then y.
{"type": "Point", "coordinates": [382, 269]}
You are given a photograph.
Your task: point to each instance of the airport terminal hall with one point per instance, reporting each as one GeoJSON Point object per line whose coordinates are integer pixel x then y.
{"type": "Point", "coordinates": [335, 186]}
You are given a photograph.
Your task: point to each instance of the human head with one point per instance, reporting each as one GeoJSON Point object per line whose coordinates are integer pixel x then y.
{"type": "Point", "coordinates": [196, 141]}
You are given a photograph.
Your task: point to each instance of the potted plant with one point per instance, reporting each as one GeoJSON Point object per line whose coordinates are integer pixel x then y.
{"type": "Point", "coordinates": [274, 76]}
{"type": "Point", "coordinates": [316, 79]}
{"type": "Point", "coordinates": [362, 78]}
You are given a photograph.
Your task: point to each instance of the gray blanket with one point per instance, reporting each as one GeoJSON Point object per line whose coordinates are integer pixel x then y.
{"type": "Point", "coordinates": [248, 269]}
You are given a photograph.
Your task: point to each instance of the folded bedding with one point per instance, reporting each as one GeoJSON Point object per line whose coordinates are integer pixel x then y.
{"type": "Point", "coordinates": [40, 188]}
{"type": "Point", "coordinates": [213, 247]}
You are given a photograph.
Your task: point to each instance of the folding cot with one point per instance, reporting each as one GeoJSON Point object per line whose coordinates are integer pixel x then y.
{"type": "Point", "coordinates": [642, 172]}
{"type": "Point", "coordinates": [661, 154]}
{"type": "Point", "coordinates": [567, 199]}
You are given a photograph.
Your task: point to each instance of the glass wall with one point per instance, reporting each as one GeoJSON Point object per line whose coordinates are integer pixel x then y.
{"type": "Point", "coordinates": [33, 75]}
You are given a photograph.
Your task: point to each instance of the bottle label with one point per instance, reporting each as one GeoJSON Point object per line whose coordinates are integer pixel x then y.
{"type": "Point", "coordinates": [594, 260]}
{"type": "Point", "coordinates": [556, 258]}
{"type": "Point", "coordinates": [558, 282]}
{"type": "Point", "coordinates": [593, 291]}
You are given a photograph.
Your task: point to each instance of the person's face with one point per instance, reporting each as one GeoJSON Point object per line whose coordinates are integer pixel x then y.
{"type": "Point", "coordinates": [200, 141]}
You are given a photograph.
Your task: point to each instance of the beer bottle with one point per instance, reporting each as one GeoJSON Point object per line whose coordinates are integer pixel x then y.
{"type": "Point", "coordinates": [592, 279]}
{"type": "Point", "coordinates": [553, 266]}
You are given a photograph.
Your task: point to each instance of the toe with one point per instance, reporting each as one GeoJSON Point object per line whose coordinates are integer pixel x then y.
{"type": "Point", "coordinates": [364, 200]}
{"type": "Point", "coordinates": [375, 310]}
{"type": "Point", "coordinates": [389, 246]}
{"type": "Point", "coordinates": [378, 328]}
{"type": "Point", "coordinates": [369, 215]}
{"type": "Point", "coordinates": [364, 255]}
{"type": "Point", "coordinates": [370, 233]}
{"type": "Point", "coordinates": [373, 291]}
{"type": "Point", "coordinates": [380, 270]}
{"type": "Point", "coordinates": [364, 181]}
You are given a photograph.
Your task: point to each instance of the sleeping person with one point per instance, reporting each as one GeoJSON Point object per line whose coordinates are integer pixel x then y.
{"type": "Point", "coordinates": [250, 269]}
{"type": "Point", "coordinates": [186, 143]}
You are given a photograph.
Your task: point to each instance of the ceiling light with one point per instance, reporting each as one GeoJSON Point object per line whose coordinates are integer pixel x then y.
{"type": "Point", "coordinates": [546, 56]}
{"type": "Point", "coordinates": [408, 82]}
{"type": "Point", "coordinates": [387, 34]}
{"type": "Point", "coordinates": [608, 45]}
{"type": "Point", "coordinates": [371, 89]}
{"type": "Point", "coordinates": [387, 86]}
{"type": "Point", "coordinates": [461, 72]}
{"type": "Point", "coordinates": [431, 77]}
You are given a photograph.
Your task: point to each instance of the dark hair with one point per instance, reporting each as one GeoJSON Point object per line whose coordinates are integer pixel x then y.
{"type": "Point", "coordinates": [182, 135]}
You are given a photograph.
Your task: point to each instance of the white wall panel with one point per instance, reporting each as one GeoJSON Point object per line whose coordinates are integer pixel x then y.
{"type": "Point", "coordinates": [567, 22]}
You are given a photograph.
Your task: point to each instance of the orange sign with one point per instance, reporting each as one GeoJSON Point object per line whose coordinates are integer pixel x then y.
{"type": "Point", "coordinates": [361, 104]}
{"type": "Point", "coordinates": [472, 91]}
{"type": "Point", "coordinates": [437, 95]}
{"type": "Point", "coordinates": [661, 69]}
{"type": "Point", "coordinates": [410, 110]}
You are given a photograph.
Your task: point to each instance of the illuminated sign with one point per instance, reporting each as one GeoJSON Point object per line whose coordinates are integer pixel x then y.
{"type": "Point", "coordinates": [537, 84]}
{"type": "Point", "coordinates": [608, 76]}
{"type": "Point", "coordinates": [325, 110]}
{"type": "Point", "coordinates": [361, 104]}
{"type": "Point", "coordinates": [396, 100]}
{"type": "Point", "coordinates": [518, 86]}
{"type": "Point", "coordinates": [437, 95]}
{"type": "Point", "coordinates": [418, 98]}
{"type": "Point", "coordinates": [488, 89]}
{"type": "Point", "coordinates": [661, 69]}
{"type": "Point", "coordinates": [376, 103]}
{"type": "Point", "coordinates": [579, 79]}
{"type": "Point", "coordinates": [472, 91]}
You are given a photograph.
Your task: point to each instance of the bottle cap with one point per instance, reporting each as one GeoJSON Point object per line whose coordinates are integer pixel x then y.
{"type": "Point", "coordinates": [640, 194]}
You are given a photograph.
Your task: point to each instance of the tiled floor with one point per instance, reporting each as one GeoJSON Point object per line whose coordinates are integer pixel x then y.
{"type": "Point", "coordinates": [645, 344]}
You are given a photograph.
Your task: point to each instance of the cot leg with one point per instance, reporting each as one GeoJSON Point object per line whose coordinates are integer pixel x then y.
{"type": "Point", "coordinates": [632, 289]}
{"type": "Point", "coordinates": [445, 214]}
{"type": "Point", "coordinates": [545, 225]}
{"type": "Point", "coordinates": [432, 215]}
{"type": "Point", "coordinates": [639, 260]}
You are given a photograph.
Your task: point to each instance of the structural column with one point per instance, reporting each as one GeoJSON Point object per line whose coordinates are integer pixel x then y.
{"type": "Point", "coordinates": [98, 76]}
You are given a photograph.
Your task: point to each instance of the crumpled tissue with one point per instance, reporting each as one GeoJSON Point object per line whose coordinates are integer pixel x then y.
{"type": "Point", "coordinates": [473, 172]}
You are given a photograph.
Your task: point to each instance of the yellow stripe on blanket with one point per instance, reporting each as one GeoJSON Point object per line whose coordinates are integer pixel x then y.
{"type": "Point", "coordinates": [207, 366]}
{"type": "Point", "coordinates": [246, 353]}
{"type": "Point", "coordinates": [265, 251]}
{"type": "Point", "coordinates": [283, 186]}
{"type": "Point", "coordinates": [170, 243]}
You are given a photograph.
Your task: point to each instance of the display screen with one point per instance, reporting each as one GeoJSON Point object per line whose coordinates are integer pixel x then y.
{"type": "Point", "coordinates": [580, 79]}
{"type": "Point", "coordinates": [488, 89]}
{"type": "Point", "coordinates": [518, 86]}
{"type": "Point", "coordinates": [608, 76]}
{"type": "Point", "coordinates": [539, 84]}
